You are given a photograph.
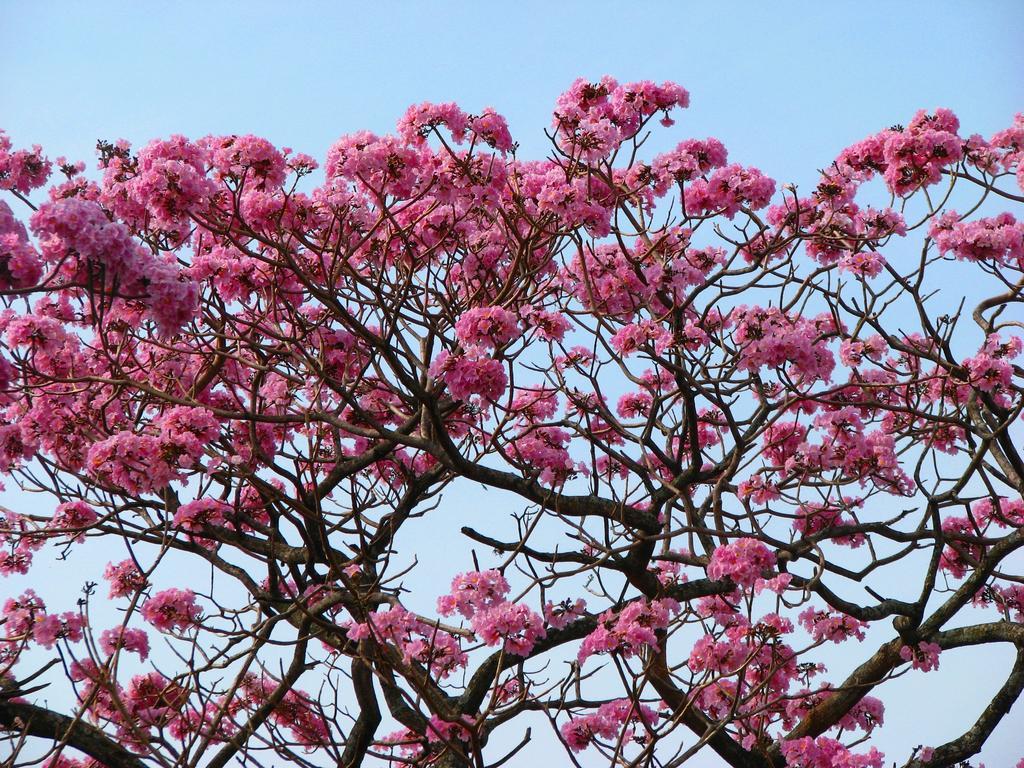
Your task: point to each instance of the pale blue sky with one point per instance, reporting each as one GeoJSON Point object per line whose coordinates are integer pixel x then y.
{"type": "Point", "coordinates": [785, 85]}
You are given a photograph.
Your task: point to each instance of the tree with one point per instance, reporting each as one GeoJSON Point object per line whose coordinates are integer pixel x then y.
{"type": "Point", "coordinates": [734, 425]}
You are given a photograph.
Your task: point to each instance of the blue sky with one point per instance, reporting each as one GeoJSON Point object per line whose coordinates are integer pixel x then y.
{"type": "Point", "coordinates": [785, 85]}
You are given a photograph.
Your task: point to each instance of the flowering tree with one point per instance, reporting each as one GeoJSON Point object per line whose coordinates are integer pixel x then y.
{"type": "Point", "coordinates": [734, 425]}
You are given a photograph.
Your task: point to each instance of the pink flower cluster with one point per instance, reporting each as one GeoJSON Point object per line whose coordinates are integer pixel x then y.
{"type": "Point", "coordinates": [17, 543]}
{"type": "Point", "coordinates": [1009, 600]}
{"type": "Point", "coordinates": [1002, 512]}
{"type": "Point", "coordinates": [104, 249]}
{"type": "Point", "coordinates": [22, 170]}
{"type": "Point", "coordinates": [908, 158]}
{"type": "Point", "coordinates": [923, 656]}
{"type": "Point", "coordinates": [1007, 149]}
{"type": "Point", "coordinates": [471, 374]}
{"type": "Point", "coordinates": [689, 160]}
{"type": "Point", "coordinates": [634, 336]}
{"type": "Point", "coordinates": [568, 200]}
{"type": "Point", "coordinates": [560, 615]}
{"type": "Point", "coordinates": [727, 190]}
{"type": "Point", "coordinates": [125, 578]}
{"type": "Point", "coordinates": [823, 752]}
{"type": "Point", "coordinates": [25, 618]}
{"type": "Point", "coordinates": [162, 187]}
{"type": "Point", "coordinates": [815, 517]}
{"type": "Point", "coordinates": [593, 119]}
{"type": "Point", "coordinates": [153, 700]}
{"type": "Point", "coordinates": [991, 370]}
{"type": "Point", "coordinates": [854, 352]}
{"type": "Point", "coordinates": [963, 551]}
{"type": "Point", "coordinates": [767, 337]}
{"type": "Point", "coordinates": [743, 561]}
{"type": "Point", "coordinates": [421, 120]}
{"type": "Point", "coordinates": [997, 240]}
{"type": "Point", "coordinates": [916, 156]}
{"type": "Point", "coordinates": [480, 597]}
{"type": "Point", "coordinates": [863, 263]}
{"type": "Point", "coordinates": [248, 159]}
{"type": "Point", "coordinates": [607, 723]}
{"type": "Point", "coordinates": [132, 640]}
{"type": "Point", "coordinates": [549, 326]}
{"type": "Point", "coordinates": [758, 489]}
{"type": "Point", "coordinates": [73, 518]}
{"type": "Point", "coordinates": [606, 282]}
{"type": "Point", "coordinates": [148, 701]}
{"type": "Point", "coordinates": [849, 448]}
{"type": "Point", "coordinates": [543, 449]}
{"type": "Point", "coordinates": [53, 349]}
{"type": "Point", "coordinates": [382, 165]}
{"type": "Point", "coordinates": [297, 711]}
{"type": "Point", "coordinates": [139, 463]}
{"type": "Point", "coordinates": [418, 640]}
{"type": "Point", "coordinates": [513, 626]}
{"type": "Point", "coordinates": [487, 327]}
{"type": "Point", "coordinates": [473, 591]}
{"type": "Point", "coordinates": [194, 516]}
{"type": "Point", "coordinates": [770, 663]}
{"type": "Point", "coordinates": [825, 625]}
{"type": "Point", "coordinates": [172, 609]}
{"type": "Point", "coordinates": [234, 275]}
{"type": "Point", "coordinates": [20, 266]}
{"type": "Point", "coordinates": [630, 630]}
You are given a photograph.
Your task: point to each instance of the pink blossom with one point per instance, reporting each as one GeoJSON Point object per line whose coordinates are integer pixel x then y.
{"type": "Point", "coordinates": [470, 375]}
{"type": "Point", "coordinates": [53, 627]}
{"type": "Point", "coordinates": [74, 518]}
{"type": "Point", "coordinates": [559, 615]}
{"type": "Point", "coordinates": [727, 190]}
{"type": "Point", "coordinates": [550, 326]}
{"type": "Point", "coordinates": [487, 327]}
{"type": "Point", "coordinates": [914, 157]}
{"type": "Point", "coordinates": [22, 170]}
{"type": "Point", "coordinates": [381, 165]}
{"type": "Point", "coordinates": [827, 625]}
{"type": "Point", "coordinates": [690, 159]}
{"type": "Point", "coordinates": [863, 263]}
{"type": "Point", "coordinates": [166, 182]}
{"type": "Point", "coordinates": [172, 609]}
{"type": "Point", "coordinates": [758, 489]}
{"type": "Point", "coordinates": [769, 338]}
{"type": "Point", "coordinates": [823, 752]}
{"type": "Point", "coordinates": [421, 119]}
{"type": "Point", "coordinates": [474, 591]}
{"type": "Point", "coordinates": [630, 630]}
{"type": "Point", "coordinates": [513, 625]}
{"type": "Point", "coordinates": [195, 515]}
{"type": "Point", "coordinates": [743, 561]}
{"type": "Point", "coordinates": [417, 640]}
{"type": "Point", "coordinates": [246, 158]}
{"type": "Point", "coordinates": [125, 578]}
{"type": "Point", "coordinates": [923, 656]}
{"type": "Point", "coordinates": [133, 640]}
{"type": "Point", "coordinates": [998, 240]}
{"type": "Point", "coordinates": [607, 723]}
{"type": "Point", "coordinates": [635, 336]}
{"type": "Point", "coordinates": [543, 449]}
{"type": "Point", "coordinates": [100, 245]}
{"type": "Point", "coordinates": [634, 404]}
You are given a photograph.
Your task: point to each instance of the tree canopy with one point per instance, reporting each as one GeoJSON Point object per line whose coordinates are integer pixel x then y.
{"type": "Point", "coordinates": [724, 426]}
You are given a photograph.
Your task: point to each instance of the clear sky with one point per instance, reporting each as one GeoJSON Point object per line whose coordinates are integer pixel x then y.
{"type": "Point", "coordinates": [785, 85]}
